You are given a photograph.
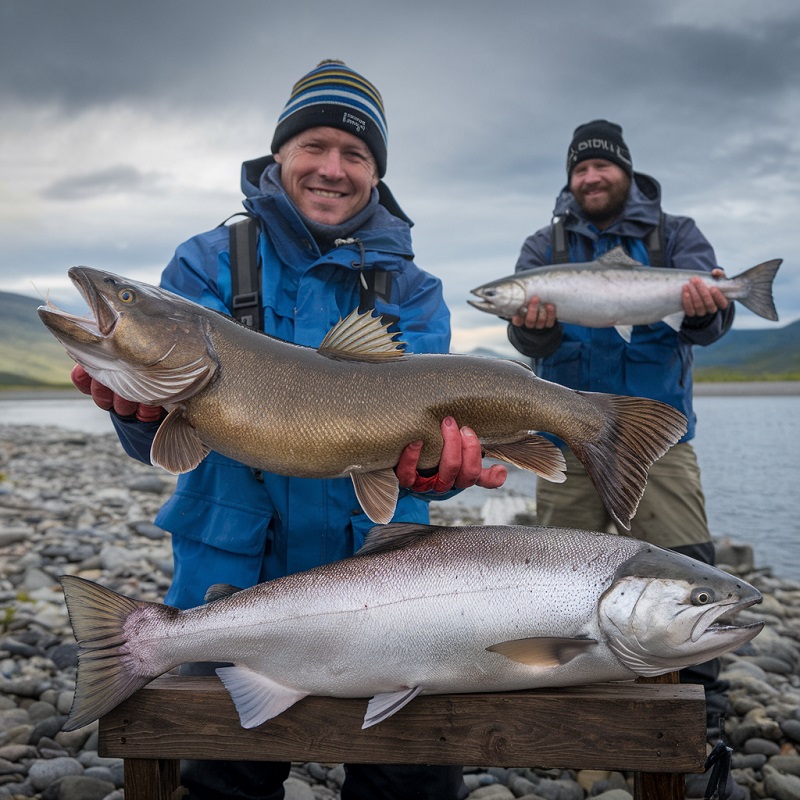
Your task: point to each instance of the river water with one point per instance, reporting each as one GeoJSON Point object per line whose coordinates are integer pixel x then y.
{"type": "Point", "coordinates": [748, 447]}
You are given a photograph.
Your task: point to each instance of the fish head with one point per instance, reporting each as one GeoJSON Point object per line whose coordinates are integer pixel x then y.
{"type": "Point", "coordinates": [505, 297]}
{"type": "Point", "coordinates": [665, 611]}
{"type": "Point", "coordinates": [144, 343]}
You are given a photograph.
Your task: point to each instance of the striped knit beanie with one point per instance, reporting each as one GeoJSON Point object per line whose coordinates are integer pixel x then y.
{"type": "Point", "coordinates": [335, 96]}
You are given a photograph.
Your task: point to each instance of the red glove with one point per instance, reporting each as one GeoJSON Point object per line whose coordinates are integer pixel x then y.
{"type": "Point", "coordinates": [106, 399]}
{"type": "Point", "coordinates": [460, 464]}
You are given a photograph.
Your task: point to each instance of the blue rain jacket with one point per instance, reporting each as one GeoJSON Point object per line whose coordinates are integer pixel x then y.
{"type": "Point", "coordinates": [657, 363]}
{"type": "Point", "coordinates": [228, 523]}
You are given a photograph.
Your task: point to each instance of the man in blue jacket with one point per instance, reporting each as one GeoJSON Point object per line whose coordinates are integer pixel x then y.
{"type": "Point", "coordinates": [329, 226]}
{"type": "Point", "coordinates": [604, 205]}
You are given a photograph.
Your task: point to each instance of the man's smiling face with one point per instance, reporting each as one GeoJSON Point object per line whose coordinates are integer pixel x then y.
{"type": "Point", "coordinates": [328, 173]}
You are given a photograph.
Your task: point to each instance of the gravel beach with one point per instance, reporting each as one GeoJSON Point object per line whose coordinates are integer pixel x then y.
{"type": "Point", "coordinates": [74, 503]}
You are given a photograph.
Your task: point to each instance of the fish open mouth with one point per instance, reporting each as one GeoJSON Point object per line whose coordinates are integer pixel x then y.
{"type": "Point", "coordinates": [722, 620]}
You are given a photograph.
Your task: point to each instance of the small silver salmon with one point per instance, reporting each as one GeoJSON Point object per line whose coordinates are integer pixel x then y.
{"type": "Point", "coordinates": [349, 407]}
{"type": "Point", "coordinates": [617, 291]}
{"type": "Point", "coordinates": [421, 609]}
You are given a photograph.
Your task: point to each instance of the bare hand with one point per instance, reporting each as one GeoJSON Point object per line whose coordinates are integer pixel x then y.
{"type": "Point", "coordinates": [699, 299]}
{"type": "Point", "coordinates": [460, 465]}
{"type": "Point", "coordinates": [106, 399]}
{"type": "Point", "coordinates": [538, 315]}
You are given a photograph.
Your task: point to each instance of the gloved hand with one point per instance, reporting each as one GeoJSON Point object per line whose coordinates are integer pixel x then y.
{"type": "Point", "coordinates": [106, 399]}
{"type": "Point", "coordinates": [460, 465]}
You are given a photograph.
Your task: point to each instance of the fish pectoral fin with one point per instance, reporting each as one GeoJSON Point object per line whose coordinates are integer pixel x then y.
{"type": "Point", "coordinates": [361, 337]}
{"type": "Point", "coordinates": [545, 651]}
{"type": "Point", "coordinates": [383, 705]}
{"type": "Point", "coordinates": [257, 698]}
{"type": "Point", "coordinates": [177, 446]}
{"type": "Point", "coordinates": [625, 331]}
{"type": "Point", "coordinates": [534, 453]}
{"type": "Point", "coordinates": [674, 320]}
{"type": "Point", "coordinates": [377, 493]}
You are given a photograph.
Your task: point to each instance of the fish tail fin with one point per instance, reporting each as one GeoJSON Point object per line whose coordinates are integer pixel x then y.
{"type": "Point", "coordinates": [637, 432]}
{"type": "Point", "coordinates": [757, 294]}
{"type": "Point", "coordinates": [107, 672]}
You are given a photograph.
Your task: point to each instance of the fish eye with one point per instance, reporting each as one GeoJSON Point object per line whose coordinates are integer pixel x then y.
{"type": "Point", "coordinates": [702, 596]}
{"type": "Point", "coordinates": [126, 296]}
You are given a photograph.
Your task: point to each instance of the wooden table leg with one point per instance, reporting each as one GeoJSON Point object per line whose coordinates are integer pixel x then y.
{"type": "Point", "coordinates": [152, 779]}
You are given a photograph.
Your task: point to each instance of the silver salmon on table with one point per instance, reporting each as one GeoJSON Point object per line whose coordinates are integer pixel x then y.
{"type": "Point", "coordinates": [349, 407]}
{"type": "Point", "coordinates": [617, 291]}
{"type": "Point", "coordinates": [421, 609]}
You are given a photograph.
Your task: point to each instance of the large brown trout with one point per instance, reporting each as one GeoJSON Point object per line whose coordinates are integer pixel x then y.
{"type": "Point", "coordinates": [349, 407]}
{"type": "Point", "coordinates": [422, 610]}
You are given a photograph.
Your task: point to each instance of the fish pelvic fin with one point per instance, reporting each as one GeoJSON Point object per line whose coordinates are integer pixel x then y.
{"type": "Point", "coordinates": [361, 337]}
{"type": "Point", "coordinates": [377, 493]}
{"type": "Point", "coordinates": [177, 446]}
{"type": "Point", "coordinates": [624, 331]}
{"type": "Point", "coordinates": [533, 453]}
{"type": "Point", "coordinates": [674, 320]}
{"type": "Point", "coordinates": [257, 698]}
{"type": "Point", "coordinates": [384, 704]}
{"type": "Point", "coordinates": [637, 432]}
{"type": "Point", "coordinates": [757, 295]}
{"type": "Point", "coordinates": [107, 672]}
{"type": "Point", "coordinates": [543, 651]}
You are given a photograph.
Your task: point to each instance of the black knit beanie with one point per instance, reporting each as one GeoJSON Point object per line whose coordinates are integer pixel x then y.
{"type": "Point", "coordinates": [599, 139]}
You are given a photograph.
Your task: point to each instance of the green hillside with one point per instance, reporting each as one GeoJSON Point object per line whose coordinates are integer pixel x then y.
{"type": "Point", "coordinates": [29, 355]}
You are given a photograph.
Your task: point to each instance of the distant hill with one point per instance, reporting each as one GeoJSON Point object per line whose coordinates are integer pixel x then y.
{"type": "Point", "coordinates": [30, 357]}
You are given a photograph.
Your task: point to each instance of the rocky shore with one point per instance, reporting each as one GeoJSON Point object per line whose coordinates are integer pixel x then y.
{"type": "Point", "coordinates": [73, 503]}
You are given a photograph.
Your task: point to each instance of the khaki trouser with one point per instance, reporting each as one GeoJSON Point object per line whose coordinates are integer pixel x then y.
{"type": "Point", "coordinates": [671, 512]}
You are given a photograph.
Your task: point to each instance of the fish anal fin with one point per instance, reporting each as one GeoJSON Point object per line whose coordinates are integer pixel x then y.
{"type": "Point", "coordinates": [383, 705]}
{"type": "Point", "coordinates": [257, 698]}
{"type": "Point", "coordinates": [674, 320]}
{"type": "Point", "coordinates": [618, 257]}
{"type": "Point", "coordinates": [377, 493]}
{"type": "Point", "coordinates": [534, 453]}
{"type": "Point", "coordinates": [625, 331]}
{"type": "Point", "coordinates": [545, 651]}
{"type": "Point", "coordinates": [361, 337]}
{"type": "Point", "coordinates": [177, 446]}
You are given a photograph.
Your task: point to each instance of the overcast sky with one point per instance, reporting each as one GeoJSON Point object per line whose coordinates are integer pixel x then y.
{"type": "Point", "coordinates": [124, 124]}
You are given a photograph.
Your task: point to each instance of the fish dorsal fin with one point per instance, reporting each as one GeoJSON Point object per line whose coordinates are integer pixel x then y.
{"type": "Point", "coordinates": [217, 591]}
{"type": "Point", "coordinates": [361, 337]}
{"type": "Point", "coordinates": [397, 535]}
{"type": "Point", "coordinates": [533, 452]}
{"type": "Point", "coordinates": [674, 320]}
{"type": "Point", "coordinates": [377, 493]}
{"type": "Point", "coordinates": [625, 331]}
{"type": "Point", "coordinates": [383, 705]}
{"type": "Point", "coordinates": [619, 258]}
{"type": "Point", "coordinates": [543, 651]}
{"type": "Point", "coordinates": [257, 698]}
{"type": "Point", "coordinates": [177, 446]}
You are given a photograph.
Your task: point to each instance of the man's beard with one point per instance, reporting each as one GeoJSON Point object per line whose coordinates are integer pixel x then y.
{"type": "Point", "coordinates": [610, 210]}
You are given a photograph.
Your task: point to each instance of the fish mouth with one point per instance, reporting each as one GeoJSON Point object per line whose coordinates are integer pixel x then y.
{"type": "Point", "coordinates": [481, 305]}
{"type": "Point", "coordinates": [86, 330]}
{"type": "Point", "coordinates": [721, 621]}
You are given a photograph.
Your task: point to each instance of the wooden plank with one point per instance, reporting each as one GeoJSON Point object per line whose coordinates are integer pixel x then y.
{"type": "Point", "coordinates": [650, 728]}
{"type": "Point", "coordinates": [151, 779]}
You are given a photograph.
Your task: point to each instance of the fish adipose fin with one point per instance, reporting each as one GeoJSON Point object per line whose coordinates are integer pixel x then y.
{"type": "Point", "coordinates": [377, 493]}
{"type": "Point", "coordinates": [256, 697]}
{"type": "Point", "coordinates": [361, 337]}
{"type": "Point", "coordinates": [757, 295]}
{"type": "Point", "coordinates": [107, 673]}
{"type": "Point", "coordinates": [545, 651]}
{"type": "Point", "coordinates": [177, 446]}
{"type": "Point", "coordinates": [534, 453]}
{"type": "Point", "coordinates": [383, 705]}
{"type": "Point", "coordinates": [636, 432]}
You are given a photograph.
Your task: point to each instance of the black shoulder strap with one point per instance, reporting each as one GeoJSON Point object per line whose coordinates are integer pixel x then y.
{"type": "Point", "coordinates": [246, 273]}
{"type": "Point", "coordinates": [559, 248]}
{"type": "Point", "coordinates": [654, 242]}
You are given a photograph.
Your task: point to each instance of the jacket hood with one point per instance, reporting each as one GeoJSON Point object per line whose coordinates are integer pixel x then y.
{"type": "Point", "coordinates": [642, 208]}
